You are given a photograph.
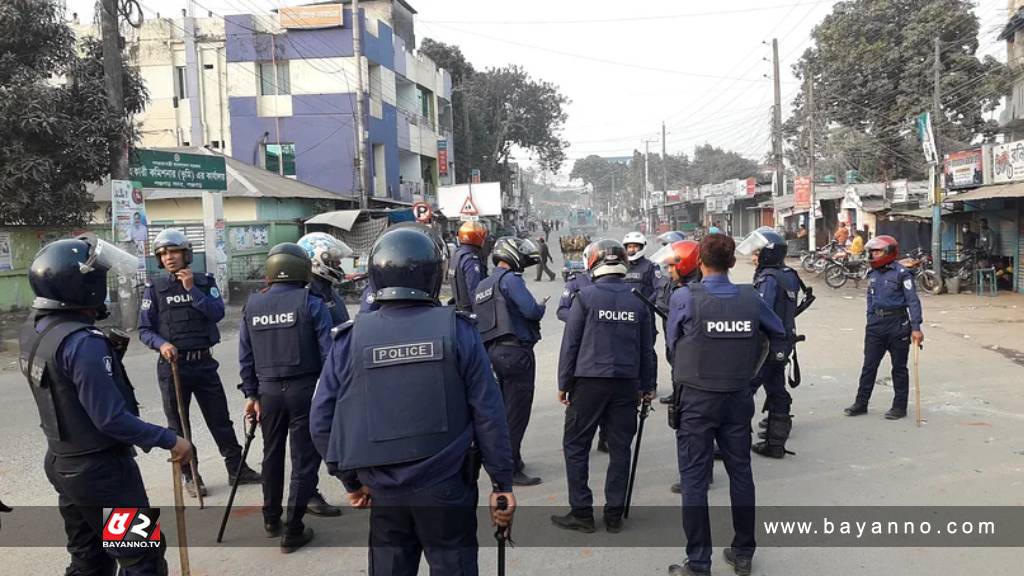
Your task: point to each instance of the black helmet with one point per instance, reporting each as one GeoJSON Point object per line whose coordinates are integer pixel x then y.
{"type": "Point", "coordinates": [518, 253]}
{"type": "Point", "coordinates": [607, 257]}
{"type": "Point", "coordinates": [171, 239]}
{"type": "Point", "coordinates": [770, 246]}
{"type": "Point", "coordinates": [406, 263]}
{"type": "Point", "coordinates": [61, 279]}
{"type": "Point", "coordinates": [288, 262]}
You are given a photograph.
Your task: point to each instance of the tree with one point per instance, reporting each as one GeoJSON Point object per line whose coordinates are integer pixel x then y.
{"type": "Point", "coordinates": [450, 58]}
{"type": "Point", "coordinates": [603, 175]}
{"type": "Point", "coordinates": [712, 165]}
{"type": "Point", "coordinates": [57, 136]}
{"type": "Point", "coordinates": [871, 66]}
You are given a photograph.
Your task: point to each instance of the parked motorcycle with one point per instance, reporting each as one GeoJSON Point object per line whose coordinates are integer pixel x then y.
{"type": "Point", "coordinates": [843, 267]}
{"type": "Point", "coordinates": [962, 269]}
{"type": "Point", "coordinates": [352, 286]}
{"type": "Point", "coordinates": [920, 264]}
{"type": "Point", "coordinates": [817, 261]}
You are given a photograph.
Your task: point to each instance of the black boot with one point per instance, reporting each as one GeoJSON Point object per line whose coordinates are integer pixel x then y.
{"type": "Point", "coordinates": [573, 522]}
{"type": "Point", "coordinates": [247, 476]}
{"type": "Point", "coordinates": [763, 424]}
{"type": "Point", "coordinates": [856, 409]}
{"type": "Point", "coordinates": [318, 506]}
{"type": "Point", "coordinates": [292, 542]}
{"type": "Point", "coordinates": [779, 426]}
{"type": "Point", "coordinates": [896, 413]}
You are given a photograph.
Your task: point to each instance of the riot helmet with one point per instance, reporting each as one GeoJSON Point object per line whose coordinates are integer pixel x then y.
{"type": "Point", "coordinates": [325, 253]}
{"type": "Point", "coordinates": [518, 253]}
{"type": "Point", "coordinates": [288, 262]}
{"type": "Point", "coordinates": [683, 257]}
{"type": "Point", "coordinates": [769, 245]}
{"type": "Point", "coordinates": [671, 237]}
{"type": "Point", "coordinates": [888, 245]}
{"type": "Point", "coordinates": [71, 274]}
{"type": "Point", "coordinates": [472, 234]}
{"type": "Point", "coordinates": [169, 240]}
{"type": "Point", "coordinates": [406, 263]}
{"type": "Point", "coordinates": [607, 257]}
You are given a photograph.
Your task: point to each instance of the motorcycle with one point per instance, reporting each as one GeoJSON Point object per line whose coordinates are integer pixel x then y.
{"type": "Point", "coordinates": [920, 265]}
{"type": "Point", "coordinates": [352, 286]}
{"type": "Point", "coordinates": [962, 269]}
{"type": "Point", "coordinates": [818, 260]}
{"type": "Point", "coordinates": [843, 267]}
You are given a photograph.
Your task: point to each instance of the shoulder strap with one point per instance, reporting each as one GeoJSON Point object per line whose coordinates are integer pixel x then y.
{"type": "Point", "coordinates": [69, 327]}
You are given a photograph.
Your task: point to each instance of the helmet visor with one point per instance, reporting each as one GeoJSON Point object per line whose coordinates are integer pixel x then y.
{"type": "Point", "coordinates": [104, 255]}
{"type": "Point", "coordinates": [529, 248]}
{"type": "Point", "coordinates": [664, 257]}
{"type": "Point", "coordinates": [752, 243]}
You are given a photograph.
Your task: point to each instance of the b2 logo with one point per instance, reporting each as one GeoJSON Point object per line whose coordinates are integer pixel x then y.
{"type": "Point", "coordinates": [131, 528]}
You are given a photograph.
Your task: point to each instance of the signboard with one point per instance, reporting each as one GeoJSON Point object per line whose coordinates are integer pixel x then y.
{"type": "Point", "coordinates": [486, 200]}
{"type": "Point", "coordinates": [442, 157]}
{"type": "Point", "coordinates": [801, 194]}
{"type": "Point", "coordinates": [1008, 162]}
{"type": "Point", "coordinates": [128, 215]}
{"type": "Point", "coordinates": [250, 237]}
{"type": "Point", "coordinates": [474, 175]}
{"type": "Point", "coordinates": [963, 169]}
{"type": "Point", "coordinates": [739, 188]}
{"type": "Point", "coordinates": [159, 169]}
{"type": "Point", "coordinates": [6, 251]}
{"type": "Point", "coordinates": [423, 212]}
{"type": "Point", "coordinates": [312, 16]}
{"type": "Point", "coordinates": [926, 136]}
{"type": "Point", "coordinates": [900, 191]}
{"type": "Point", "coordinates": [751, 187]}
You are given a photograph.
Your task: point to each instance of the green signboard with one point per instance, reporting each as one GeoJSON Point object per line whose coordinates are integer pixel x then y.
{"type": "Point", "coordinates": [158, 169]}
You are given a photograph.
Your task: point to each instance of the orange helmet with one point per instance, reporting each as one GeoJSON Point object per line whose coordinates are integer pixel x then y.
{"type": "Point", "coordinates": [472, 233]}
{"type": "Point", "coordinates": [683, 255]}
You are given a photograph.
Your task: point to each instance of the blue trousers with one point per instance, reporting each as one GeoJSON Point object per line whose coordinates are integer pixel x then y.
{"type": "Point", "coordinates": [438, 521]}
{"type": "Point", "coordinates": [892, 336]}
{"type": "Point", "coordinates": [706, 418]}
{"type": "Point", "coordinates": [777, 398]}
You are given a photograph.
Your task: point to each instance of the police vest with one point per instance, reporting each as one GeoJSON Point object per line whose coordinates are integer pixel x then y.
{"type": "Point", "coordinates": [612, 332]}
{"type": "Point", "coordinates": [463, 296]}
{"type": "Point", "coordinates": [787, 288]}
{"type": "Point", "coordinates": [282, 335]}
{"type": "Point", "coordinates": [638, 271]}
{"type": "Point", "coordinates": [491, 308]}
{"type": "Point", "coordinates": [69, 430]}
{"type": "Point", "coordinates": [407, 400]}
{"type": "Point", "coordinates": [723, 352]}
{"type": "Point", "coordinates": [180, 323]}
{"type": "Point", "coordinates": [335, 305]}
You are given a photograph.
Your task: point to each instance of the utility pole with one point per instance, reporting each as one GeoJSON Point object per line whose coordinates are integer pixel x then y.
{"type": "Point", "coordinates": [811, 220]}
{"type": "Point", "coordinates": [645, 200]}
{"type": "Point", "coordinates": [357, 41]}
{"type": "Point", "coordinates": [936, 190]}
{"type": "Point", "coordinates": [112, 71]}
{"type": "Point", "coordinates": [664, 161]}
{"type": "Point", "coordinates": [469, 136]}
{"type": "Point", "coordinates": [780, 167]}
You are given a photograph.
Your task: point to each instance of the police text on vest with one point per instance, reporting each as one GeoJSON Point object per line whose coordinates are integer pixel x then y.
{"type": "Point", "coordinates": [730, 326]}
{"type": "Point", "coordinates": [403, 352]}
{"type": "Point", "coordinates": [179, 299]}
{"type": "Point", "coordinates": [274, 319]}
{"type": "Point", "coordinates": [617, 315]}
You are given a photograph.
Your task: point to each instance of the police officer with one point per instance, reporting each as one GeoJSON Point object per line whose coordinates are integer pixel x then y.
{"type": "Point", "coordinates": [641, 270]}
{"type": "Point", "coordinates": [509, 321]}
{"type": "Point", "coordinates": [779, 287]}
{"type": "Point", "coordinates": [664, 285]}
{"type": "Point", "coordinates": [469, 267]}
{"type": "Point", "coordinates": [577, 282]}
{"type": "Point", "coordinates": [894, 321]}
{"type": "Point", "coordinates": [713, 332]}
{"type": "Point", "coordinates": [87, 405]}
{"type": "Point", "coordinates": [283, 339]}
{"type": "Point", "coordinates": [178, 318]}
{"type": "Point", "coordinates": [368, 299]}
{"type": "Point", "coordinates": [606, 364]}
{"type": "Point", "coordinates": [405, 393]}
{"type": "Point", "coordinates": [679, 263]}
{"type": "Point", "coordinates": [325, 253]}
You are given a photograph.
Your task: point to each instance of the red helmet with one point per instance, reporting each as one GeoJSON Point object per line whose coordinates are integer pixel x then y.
{"type": "Point", "coordinates": [683, 255]}
{"type": "Point", "coordinates": [890, 250]}
{"type": "Point", "coordinates": [472, 233]}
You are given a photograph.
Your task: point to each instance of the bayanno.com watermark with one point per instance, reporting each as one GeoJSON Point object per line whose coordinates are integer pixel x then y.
{"type": "Point", "coordinates": [131, 528]}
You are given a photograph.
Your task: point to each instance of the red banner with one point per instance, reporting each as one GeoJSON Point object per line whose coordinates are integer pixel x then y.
{"type": "Point", "coordinates": [751, 187]}
{"type": "Point", "coordinates": [801, 194]}
{"type": "Point", "coordinates": [442, 157]}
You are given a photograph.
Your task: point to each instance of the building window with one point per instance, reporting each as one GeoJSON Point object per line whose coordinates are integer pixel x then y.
{"type": "Point", "coordinates": [272, 154]}
{"type": "Point", "coordinates": [274, 82]}
{"type": "Point", "coordinates": [180, 83]}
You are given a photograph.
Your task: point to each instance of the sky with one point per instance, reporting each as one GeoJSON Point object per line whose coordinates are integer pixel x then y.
{"type": "Point", "coordinates": [702, 67]}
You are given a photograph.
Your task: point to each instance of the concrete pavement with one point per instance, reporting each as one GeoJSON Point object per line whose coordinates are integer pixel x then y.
{"type": "Point", "coordinates": [970, 452]}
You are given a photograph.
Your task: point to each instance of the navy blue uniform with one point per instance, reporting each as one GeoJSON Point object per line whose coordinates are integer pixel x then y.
{"type": "Point", "coordinates": [469, 271]}
{"type": "Point", "coordinates": [894, 310]}
{"type": "Point", "coordinates": [645, 273]}
{"type": "Point", "coordinates": [782, 299]}
{"type": "Point", "coordinates": [368, 299]}
{"type": "Point", "coordinates": [188, 320]}
{"type": "Point", "coordinates": [427, 504]}
{"type": "Point", "coordinates": [333, 301]}
{"type": "Point", "coordinates": [283, 338]}
{"type": "Point", "coordinates": [607, 360]}
{"type": "Point", "coordinates": [91, 420]}
{"type": "Point", "coordinates": [712, 330]}
{"type": "Point", "coordinates": [579, 281]}
{"type": "Point", "coordinates": [511, 352]}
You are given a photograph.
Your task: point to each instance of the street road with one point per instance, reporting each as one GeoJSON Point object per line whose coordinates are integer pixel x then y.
{"type": "Point", "coordinates": [969, 452]}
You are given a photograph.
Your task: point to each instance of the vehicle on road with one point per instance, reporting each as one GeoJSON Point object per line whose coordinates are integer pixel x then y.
{"type": "Point", "coordinates": [842, 267]}
{"type": "Point", "coordinates": [572, 252]}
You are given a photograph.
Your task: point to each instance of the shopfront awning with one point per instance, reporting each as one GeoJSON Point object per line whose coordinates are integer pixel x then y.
{"type": "Point", "coordinates": [1014, 190]}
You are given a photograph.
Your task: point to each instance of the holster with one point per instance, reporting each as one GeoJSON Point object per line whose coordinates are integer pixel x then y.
{"type": "Point", "coordinates": [471, 465]}
{"type": "Point", "coordinates": [673, 406]}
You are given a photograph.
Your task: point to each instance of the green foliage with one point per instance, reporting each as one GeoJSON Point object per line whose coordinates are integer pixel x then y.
{"type": "Point", "coordinates": [872, 72]}
{"type": "Point", "coordinates": [712, 165]}
{"type": "Point", "coordinates": [56, 125]}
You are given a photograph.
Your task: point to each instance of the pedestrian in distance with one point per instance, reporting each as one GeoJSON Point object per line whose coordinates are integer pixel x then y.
{"type": "Point", "coordinates": [178, 318]}
{"type": "Point", "coordinates": [545, 257]}
{"type": "Point", "coordinates": [605, 367]}
{"type": "Point", "coordinates": [87, 407]}
{"type": "Point", "coordinates": [470, 268]}
{"type": "Point", "coordinates": [894, 323]}
{"type": "Point", "coordinates": [406, 409]}
{"type": "Point", "coordinates": [842, 234]}
{"type": "Point", "coordinates": [716, 331]}
{"type": "Point", "coordinates": [509, 318]}
{"type": "Point", "coordinates": [283, 339]}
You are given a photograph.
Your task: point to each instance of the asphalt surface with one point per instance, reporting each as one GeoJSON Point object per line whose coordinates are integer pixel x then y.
{"type": "Point", "coordinates": [970, 452]}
